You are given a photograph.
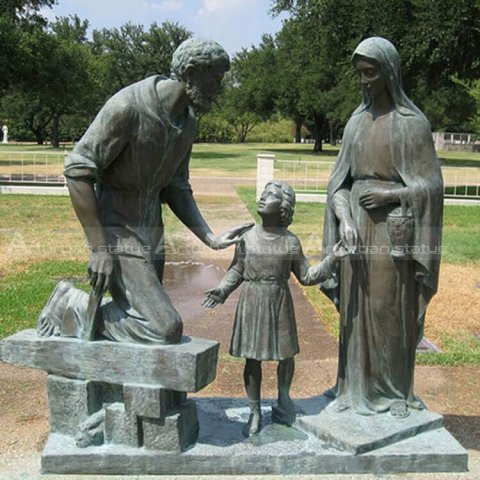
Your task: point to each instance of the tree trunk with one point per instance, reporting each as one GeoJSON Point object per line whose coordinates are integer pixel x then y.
{"type": "Point", "coordinates": [333, 134]}
{"type": "Point", "coordinates": [298, 131]}
{"type": "Point", "coordinates": [38, 133]}
{"type": "Point", "coordinates": [318, 133]}
{"type": "Point", "coordinates": [55, 133]}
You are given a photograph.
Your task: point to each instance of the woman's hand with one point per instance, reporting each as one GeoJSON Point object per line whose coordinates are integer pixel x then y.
{"type": "Point", "coordinates": [349, 234]}
{"type": "Point", "coordinates": [376, 197]}
{"type": "Point", "coordinates": [214, 297]}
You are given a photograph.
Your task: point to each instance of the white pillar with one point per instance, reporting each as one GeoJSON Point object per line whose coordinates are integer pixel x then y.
{"type": "Point", "coordinates": [264, 171]}
{"type": "Point", "coordinates": [5, 134]}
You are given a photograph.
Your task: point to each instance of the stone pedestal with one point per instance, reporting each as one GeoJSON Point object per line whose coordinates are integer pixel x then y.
{"type": "Point", "coordinates": [221, 449]}
{"type": "Point", "coordinates": [107, 395]}
{"type": "Point", "coordinates": [145, 424]}
{"type": "Point", "coordinates": [359, 434]}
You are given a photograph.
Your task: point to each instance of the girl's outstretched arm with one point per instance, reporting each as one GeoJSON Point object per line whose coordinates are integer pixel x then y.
{"type": "Point", "coordinates": [232, 279]}
{"type": "Point", "coordinates": [312, 274]}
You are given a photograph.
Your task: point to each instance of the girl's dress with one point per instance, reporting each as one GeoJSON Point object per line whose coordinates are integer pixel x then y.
{"type": "Point", "coordinates": [264, 327]}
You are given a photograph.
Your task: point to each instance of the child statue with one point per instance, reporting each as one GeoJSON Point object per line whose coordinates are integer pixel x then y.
{"type": "Point", "coordinates": [264, 327]}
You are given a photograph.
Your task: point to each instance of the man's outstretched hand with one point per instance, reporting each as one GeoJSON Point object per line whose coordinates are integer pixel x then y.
{"type": "Point", "coordinates": [230, 237]}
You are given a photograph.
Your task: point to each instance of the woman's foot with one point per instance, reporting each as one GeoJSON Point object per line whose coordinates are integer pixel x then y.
{"type": "Point", "coordinates": [399, 410]}
{"type": "Point", "coordinates": [417, 404]}
{"type": "Point", "coordinates": [340, 406]}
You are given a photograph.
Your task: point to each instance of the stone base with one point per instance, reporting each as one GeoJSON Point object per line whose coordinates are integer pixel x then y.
{"type": "Point", "coordinates": [187, 366]}
{"type": "Point", "coordinates": [359, 433]}
{"type": "Point", "coordinates": [222, 450]}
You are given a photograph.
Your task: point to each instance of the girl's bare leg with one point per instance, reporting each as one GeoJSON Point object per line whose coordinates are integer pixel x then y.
{"type": "Point", "coordinates": [252, 376]}
{"type": "Point", "coordinates": [285, 371]}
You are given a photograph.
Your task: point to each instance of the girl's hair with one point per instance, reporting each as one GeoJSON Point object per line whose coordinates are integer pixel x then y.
{"type": "Point", "coordinates": [287, 207]}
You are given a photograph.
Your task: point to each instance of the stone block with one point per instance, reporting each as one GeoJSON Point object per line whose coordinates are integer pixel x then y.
{"type": "Point", "coordinates": [278, 450]}
{"type": "Point", "coordinates": [101, 393]}
{"type": "Point", "coordinates": [152, 402]}
{"type": "Point", "coordinates": [187, 366]}
{"type": "Point", "coordinates": [120, 427]}
{"type": "Point", "coordinates": [68, 404]}
{"type": "Point", "coordinates": [175, 433]}
{"type": "Point", "coordinates": [358, 434]}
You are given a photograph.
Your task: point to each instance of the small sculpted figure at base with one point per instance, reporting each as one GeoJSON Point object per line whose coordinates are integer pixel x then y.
{"type": "Point", "coordinates": [264, 327]}
{"type": "Point", "coordinates": [133, 158]}
{"type": "Point", "coordinates": [385, 201]}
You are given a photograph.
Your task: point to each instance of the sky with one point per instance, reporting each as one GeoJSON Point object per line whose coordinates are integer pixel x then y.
{"type": "Point", "coordinates": [235, 24]}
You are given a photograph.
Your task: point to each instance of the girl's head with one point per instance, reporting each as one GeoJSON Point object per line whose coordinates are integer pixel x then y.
{"type": "Point", "coordinates": [281, 196]}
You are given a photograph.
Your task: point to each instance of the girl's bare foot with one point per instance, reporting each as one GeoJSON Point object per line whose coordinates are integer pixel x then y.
{"type": "Point", "coordinates": [254, 423]}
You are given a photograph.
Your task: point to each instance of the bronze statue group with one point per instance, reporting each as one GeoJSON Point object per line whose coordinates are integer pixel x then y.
{"type": "Point", "coordinates": [381, 241]}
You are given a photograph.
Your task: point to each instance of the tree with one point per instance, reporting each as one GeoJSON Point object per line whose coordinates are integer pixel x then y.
{"type": "Point", "coordinates": [16, 9]}
{"type": "Point", "coordinates": [442, 44]}
{"type": "Point", "coordinates": [249, 88]}
{"type": "Point", "coordinates": [65, 78]}
{"type": "Point", "coordinates": [61, 78]}
{"type": "Point", "coordinates": [436, 41]}
{"type": "Point", "coordinates": [131, 54]}
{"type": "Point", "coordinates": [25, 115]}
{"type": "Point", "coordinates": [16, 17]}
{"type": "Point", "coordinates": [290, 66]}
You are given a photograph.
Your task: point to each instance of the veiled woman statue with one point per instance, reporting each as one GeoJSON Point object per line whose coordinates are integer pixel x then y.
{"type": "Point", "coordinates": [385, 201]}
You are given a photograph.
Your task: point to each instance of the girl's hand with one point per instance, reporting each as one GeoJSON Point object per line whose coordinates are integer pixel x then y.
{"type": "Point", "coordinates": [340, 251]}
{"type": "Point", "coordinates": [214, 297]}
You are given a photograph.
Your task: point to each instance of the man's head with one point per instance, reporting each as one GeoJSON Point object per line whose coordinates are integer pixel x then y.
{"type": "Point", "coordinates": [201, 64]}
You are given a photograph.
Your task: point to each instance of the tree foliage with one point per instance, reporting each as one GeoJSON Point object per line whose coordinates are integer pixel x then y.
{"type": "Point", "coordinates": [131, 53]}
{"type": "Point", "coordinates": [54, 77]}
{"type": "Point", "coordinates": [249, 90]}
{"type": "Point", "coordinates": [436, 41]}
{"type": "Point", "coordinates": [65, 77]}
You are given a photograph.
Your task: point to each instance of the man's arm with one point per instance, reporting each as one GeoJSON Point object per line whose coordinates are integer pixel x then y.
{"type": "Point", "coordinates": [185, 207]}
{"type": "Point", "coordinates": [99, 147]}
{"type": "Point", "coordinates": [84, 203]}
{"type": "Point", "coordinates": [180, 199]}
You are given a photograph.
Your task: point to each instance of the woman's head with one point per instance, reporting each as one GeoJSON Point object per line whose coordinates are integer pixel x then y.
{"type": "Point", "coordinates": [380, 53]}
{"type": "Point", "coordinates": [370, 75]}
{"type": "Point", "coordinates": [285, 194]}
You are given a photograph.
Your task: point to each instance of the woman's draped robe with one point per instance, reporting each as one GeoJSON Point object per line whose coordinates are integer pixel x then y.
{"type": "Point", "coordinates": [382, 300]}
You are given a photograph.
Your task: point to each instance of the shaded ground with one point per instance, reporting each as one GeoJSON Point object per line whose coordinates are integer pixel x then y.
{"type": "Point", "coordinates": [451, 391]}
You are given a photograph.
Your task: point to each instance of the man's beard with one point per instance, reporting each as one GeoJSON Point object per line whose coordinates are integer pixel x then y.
{"type": "Point", "coordinates": [200, 102]}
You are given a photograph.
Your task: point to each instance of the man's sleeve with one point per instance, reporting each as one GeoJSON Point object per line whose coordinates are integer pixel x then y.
{"type": "Point", "coordinates": [104, 140]}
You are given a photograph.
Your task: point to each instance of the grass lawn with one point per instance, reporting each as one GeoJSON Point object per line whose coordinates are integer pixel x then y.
{"type": "Point", "coordinates": [41, 241]}
{"type": "Point", "coordinates": [227, 159]}
{"type": "Point", "coordinates": [453, 318]}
